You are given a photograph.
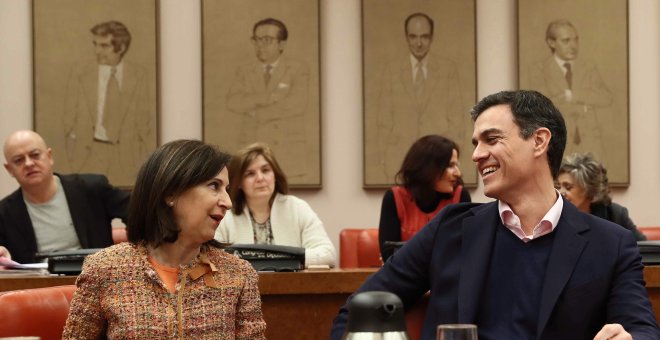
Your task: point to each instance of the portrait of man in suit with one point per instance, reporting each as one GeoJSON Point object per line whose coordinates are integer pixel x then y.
{"type": "Point", "coordinates": [420, 78]}
{"type": "Point", "coordinates": [270, 93]}
{"type": "Point", "coordinates": [419, 95]}
{"type": "Point", "coordinates": [108, 115]}
{"type": "Point", "coordinates": [261, 81]}
{"type": "Point", "coordinates": [575, 86]}
{"type": "Point", "coordinates": [578, 57]}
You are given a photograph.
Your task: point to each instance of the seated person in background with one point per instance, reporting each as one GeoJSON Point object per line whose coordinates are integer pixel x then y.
{"type": "Point", "coordinates": [263, 213]}
{"type": "Point", "coordinates": [583, 181]}
{"type": "Point", "coordinates": [50, 211]}
{"type": "Point", "coordinates": [529, 265]}
{"type": "Point", "coordinates": [429, 179]}
{"type": "Point", "coordinates": [130, 290]}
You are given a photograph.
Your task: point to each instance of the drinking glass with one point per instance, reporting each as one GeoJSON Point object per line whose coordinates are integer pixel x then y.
{"type": "Point", "coordinates": [457, 332]}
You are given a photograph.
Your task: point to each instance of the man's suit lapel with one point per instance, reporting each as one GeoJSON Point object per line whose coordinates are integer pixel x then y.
{"type": "Point", "coordinates": [477, 245]}
{"type": "Point", "coordinates": [76, 198]}
{"type": "Point", "coordinates": [22, 227]}
{"type": "Point", "coordinates": [405, 74]}
{"type": "Point", "coordinates": [277, 74]}
{"type": "Point", "coordinates": [557, 80]}
{"type": "Point", "coordinates": [90, 88]}
{"type": "Point", "coordinates": [256, 77]}
{"type": "Point", "coordinates": [566, 250]}
{"type": "Point", "coordinates": [432, 78]}
{"type": "Point", "coordinates": [128, 89]}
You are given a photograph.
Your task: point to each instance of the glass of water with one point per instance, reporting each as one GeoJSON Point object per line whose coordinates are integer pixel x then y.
{"type": "Point", "coordinates": [457, 332]}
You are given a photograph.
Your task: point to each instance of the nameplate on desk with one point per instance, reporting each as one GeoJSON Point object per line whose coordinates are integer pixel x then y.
{"type": "Point", "coordinates": [650, 251]}
{"type": "Point", "coordinates": [268, 257]}
{"type": "Point", "coordinates": [68, 262]}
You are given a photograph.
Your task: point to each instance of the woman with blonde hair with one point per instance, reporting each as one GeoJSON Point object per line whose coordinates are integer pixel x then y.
{"type": "Point", "coordinates": [264, 213]}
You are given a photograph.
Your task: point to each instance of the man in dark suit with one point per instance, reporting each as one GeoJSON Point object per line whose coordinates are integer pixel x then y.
{"type": "Point", "coordinates": [53, 212]}
{"type": "Point", "coordinates": [529, 265]}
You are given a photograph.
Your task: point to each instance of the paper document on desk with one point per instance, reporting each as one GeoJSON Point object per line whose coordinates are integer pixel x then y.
{"type": "Point", "coordinates": [5, 262]}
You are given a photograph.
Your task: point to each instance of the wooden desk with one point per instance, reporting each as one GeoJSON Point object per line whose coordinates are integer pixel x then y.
{"type": "Point", "coordinates": [302, 305]}
{"type": "Point", "coordinates": [295, 305]}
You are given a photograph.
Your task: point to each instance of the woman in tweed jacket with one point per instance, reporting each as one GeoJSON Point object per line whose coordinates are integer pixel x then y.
{"type": "Point", "coordinates": [171, 280]}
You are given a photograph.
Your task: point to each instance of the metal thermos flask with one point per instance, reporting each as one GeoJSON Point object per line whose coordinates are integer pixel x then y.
{"type": "Point", "coordinates": [376, 316]}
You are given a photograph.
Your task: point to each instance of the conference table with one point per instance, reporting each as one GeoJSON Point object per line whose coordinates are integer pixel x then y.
{"type": "Point", "coordinates": [301, 305]}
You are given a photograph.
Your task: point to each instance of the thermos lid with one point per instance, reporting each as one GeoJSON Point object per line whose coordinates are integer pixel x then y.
{"type": "Point", "coordinates": [376, 312]}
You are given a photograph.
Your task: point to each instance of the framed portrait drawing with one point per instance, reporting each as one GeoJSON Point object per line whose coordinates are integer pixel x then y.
{"type": "Point", "coordinates": [95, 82]}
{"type": "Point", "coordinates": [576, 53]}
{"type": "Point", "coordinates": [261, 81]}
{"type": "Point", "coordinates": [419, 66]}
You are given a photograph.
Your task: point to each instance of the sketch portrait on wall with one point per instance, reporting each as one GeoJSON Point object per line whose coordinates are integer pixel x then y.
{"type": "Point", "coordinates": [419, 79]}
{"type": "Point", "coordinates": [261, 81]}
{"type": "Point", "coordinates": [95, 82]}
{"type": "Point", "coordinates": [576, 54]}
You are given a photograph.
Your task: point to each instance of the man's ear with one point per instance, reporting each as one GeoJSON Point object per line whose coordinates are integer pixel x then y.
{"type": "Point", "coordinates": [49, 153]}
{"type": "Point", "coordinates": [542, 138]}
{"type": "Point", "coordinates": [122, 49]}
{"type": "Point", "coordinates": [8, 169]}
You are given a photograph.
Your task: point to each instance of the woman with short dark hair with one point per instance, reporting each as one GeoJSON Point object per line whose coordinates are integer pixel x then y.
{"type": "Point", "coordinates": [172, 279]}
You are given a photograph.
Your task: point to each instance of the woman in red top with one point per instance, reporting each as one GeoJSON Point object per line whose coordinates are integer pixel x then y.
{"type": "Point", "coordinates": [428, 180]}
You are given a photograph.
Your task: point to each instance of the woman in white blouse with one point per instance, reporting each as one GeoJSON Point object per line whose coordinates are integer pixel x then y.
{"type": "Point", "coordinates": [263, 213]}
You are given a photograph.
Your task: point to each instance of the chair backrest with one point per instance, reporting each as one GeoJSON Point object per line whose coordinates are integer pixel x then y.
{"type": "Point", "coordinates": [652, 233]}
{"type": "Point", "coordinates": [415, 318]}
{"type": "Point", "coordinates": [119, 235]}
{"type": "Point", "coordinates": [38, 312]}
{"type": "Point", "coordinates": [359, 248]}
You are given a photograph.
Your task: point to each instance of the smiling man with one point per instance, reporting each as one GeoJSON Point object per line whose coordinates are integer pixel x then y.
{"type": "Point", "coordinates": [528, 265]}
{"type": "Point", "coordinates": [52, 212]}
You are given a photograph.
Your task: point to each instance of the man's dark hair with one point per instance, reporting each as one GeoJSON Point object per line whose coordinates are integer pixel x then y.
{"type": "Point", "coordinates": [282, 32]}
{"type": "Point", "coordinates": [531, 110]}
{"type": "Point", "coordinates": [424, 163]}
{"type": "Point", "coordinates": [172, 169]}
{"type": "Point", "coordinates": [119, 32]}
{"type": "Point", "coordinates": [415, 15]}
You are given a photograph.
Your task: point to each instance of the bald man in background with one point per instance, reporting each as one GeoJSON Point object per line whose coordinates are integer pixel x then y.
{"type": "Point", "coordinates": [51, 212]}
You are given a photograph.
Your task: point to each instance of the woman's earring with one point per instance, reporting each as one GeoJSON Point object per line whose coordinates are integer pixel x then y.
{"type": "Point", "coordinates": [170, 203]}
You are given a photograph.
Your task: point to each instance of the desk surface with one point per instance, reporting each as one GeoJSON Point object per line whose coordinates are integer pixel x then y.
{"type": "Point", "coordinates": [302, 305]}
{"type": "Point", "coordinates": [333, 281]}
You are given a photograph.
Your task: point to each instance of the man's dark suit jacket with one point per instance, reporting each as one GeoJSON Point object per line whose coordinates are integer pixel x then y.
{"type": "Point", "coordinates": [593, 277]}
{"type": "Point", "coordinates": [93, 203]}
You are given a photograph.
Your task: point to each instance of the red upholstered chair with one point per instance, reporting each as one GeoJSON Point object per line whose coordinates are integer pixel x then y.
{"type": "Point", "coordinates": [415, 317]}
{"type": "Point", "coordinates": [359, 248]}
{"type": "Point", "coordinates": [651, 233]}
{"type": "Point", "coordinates": [119, 235]}
{"type": "Point", "coordinates": [38, 312]}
